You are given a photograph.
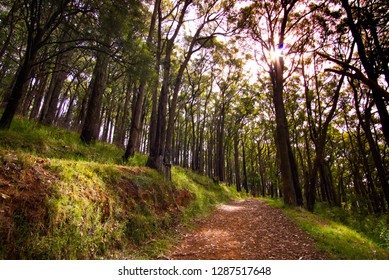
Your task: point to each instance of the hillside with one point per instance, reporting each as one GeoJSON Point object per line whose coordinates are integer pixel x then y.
{"type": "Point", "coordinates": [58, 200]}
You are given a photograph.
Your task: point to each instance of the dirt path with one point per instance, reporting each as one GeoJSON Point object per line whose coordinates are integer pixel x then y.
{"type": "Point", "coordinates": [248, 229]}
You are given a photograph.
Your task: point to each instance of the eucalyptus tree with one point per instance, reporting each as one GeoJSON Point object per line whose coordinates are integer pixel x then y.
{"type": "Point", "coordinates": [372, 154]}
{"type": "Point", "coordinates": [60, 72]}
{"type": "Point", "coordinates": [196, 90]}
{"type": "Point", "coordinates": [274, 26]}
{"type": "Point", "coordinates": [200, 79]}
{"type": "Point", "coordinates": [210, 18]}
{"type": "Point", "coordinates": [321, 93]}
{"type": "Point", "coordinates": [228, 72]}
{"type": "Point", "coordinates": [241, 123]}
{"type": "Point", "coordinates": [157, 145]}
{"type": "Point", "coordinates": [320, 111]}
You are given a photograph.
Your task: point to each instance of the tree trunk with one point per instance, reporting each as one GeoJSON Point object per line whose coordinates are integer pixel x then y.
{"type": "Point", "coordinates": [210, 152]}
{"type": "Point", "coordinates": [245, 185]}
{"type": "Point", "coordinates": [121, 124]}
{"type": "Point", "coordinates": [262, 169]}
{"type": "Point", "coordinates": [193, 148]}
{"type": "Point", "coordinates": [291, 189]}
{"type": "Point", "coordinates": [282, 137]}
{"type": "Point", "coordinates": [219, 164]}
{"type": "Point", "coordinates": [56, 84]}
{"type": "Point", "coordinates": [185, 146]}
{"type": "Point", "coordinates": [236, 163]}
{"type": "Point", "coordinates": [136, 122]}
{"type": "Point", "coordinates": [38, 97]}
{"type": "Point", "coordinates": [17, 91]}
{"type": "Point", "coordinates": [158, 158]}
{"type": "Point", "coordinates": [177, 85]}
{"type": "Point", "coordinates": [374, 150]}
{"type": "Point", "coordinates": [28, 96]}
{"type": "Point", "coordinates": [135, 128]}
{"type": "Point", "coordinates": [91, 128]}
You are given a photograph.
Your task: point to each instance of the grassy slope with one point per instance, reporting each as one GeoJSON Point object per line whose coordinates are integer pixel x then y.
{"type": "Point", "coordinates": [336, 239]}
{"type": "Point", "coordinates": [60, 199]}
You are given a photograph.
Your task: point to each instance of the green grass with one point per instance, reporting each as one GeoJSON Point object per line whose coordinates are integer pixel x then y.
{"type": "Point", "coordinates": [52, 142]}
{"type": "Point", "coordinates": [376, 227]}
{"type": "Point", "coordinates": [208, 194]}
{"type": "Point", "coordinates": [336, 239]}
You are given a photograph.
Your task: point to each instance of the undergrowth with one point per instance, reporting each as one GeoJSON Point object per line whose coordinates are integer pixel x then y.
{"type": "Point", "coordinates": [339, 233]}
{"type": "Point", "coordinates": [376, 227]}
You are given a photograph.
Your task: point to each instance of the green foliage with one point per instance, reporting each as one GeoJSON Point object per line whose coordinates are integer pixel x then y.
{"type": "Point", "coordinates": [375, 227]}
{"type": "Point", "coordinates": [338, 240]}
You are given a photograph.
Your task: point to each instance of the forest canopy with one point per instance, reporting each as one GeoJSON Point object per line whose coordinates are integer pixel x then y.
{"type": "Point", "coordinates": [279, 98]}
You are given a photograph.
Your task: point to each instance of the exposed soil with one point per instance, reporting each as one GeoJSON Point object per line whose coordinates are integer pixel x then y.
{"type": "Point", "coordinates": [246, 230]}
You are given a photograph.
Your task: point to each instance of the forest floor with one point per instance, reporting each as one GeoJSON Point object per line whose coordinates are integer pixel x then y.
{"type": "Point", "coordinates": [244, 230]}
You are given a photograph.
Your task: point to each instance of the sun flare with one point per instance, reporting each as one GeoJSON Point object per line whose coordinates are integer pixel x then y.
{"type": "Point", "coordinates": [276, 53]}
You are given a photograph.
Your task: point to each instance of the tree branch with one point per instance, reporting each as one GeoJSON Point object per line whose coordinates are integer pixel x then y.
{"type": "Point", "coordinates": [358, 75]}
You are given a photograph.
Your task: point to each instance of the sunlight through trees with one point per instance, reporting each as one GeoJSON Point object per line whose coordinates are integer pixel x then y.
{"type": "Point", "coordinates": [277, 98]}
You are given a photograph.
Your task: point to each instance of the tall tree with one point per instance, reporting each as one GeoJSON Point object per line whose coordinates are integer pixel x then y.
{"type": "Point", "coordinates": [91, 128]}
{"type": "Point", "coordinates": [211, 17]}
{"type": "Point", "coordinates": [156, 155]}
{"type": "Point", "coordinates": [270, 24]}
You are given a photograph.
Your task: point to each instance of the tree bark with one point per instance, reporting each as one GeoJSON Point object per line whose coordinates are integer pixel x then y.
{"type": "Point", "coordinates": [245, 184]}
{"type": "Point", "coordinates": [219, 165]}
{"type": "Point", "coordinates": [91, 128]}
{"type": "Point", "coordinates": [289, 176]}
{"type": "Point", "coordinates": [38, 97]}
{"type": "Point", "coordinates": [374, 150]}
{"type": "Point", "coordinates": [18, 90]}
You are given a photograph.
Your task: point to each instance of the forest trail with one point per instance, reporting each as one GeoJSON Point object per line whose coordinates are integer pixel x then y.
{"type": "Point", "coordinates": [246, 230]}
